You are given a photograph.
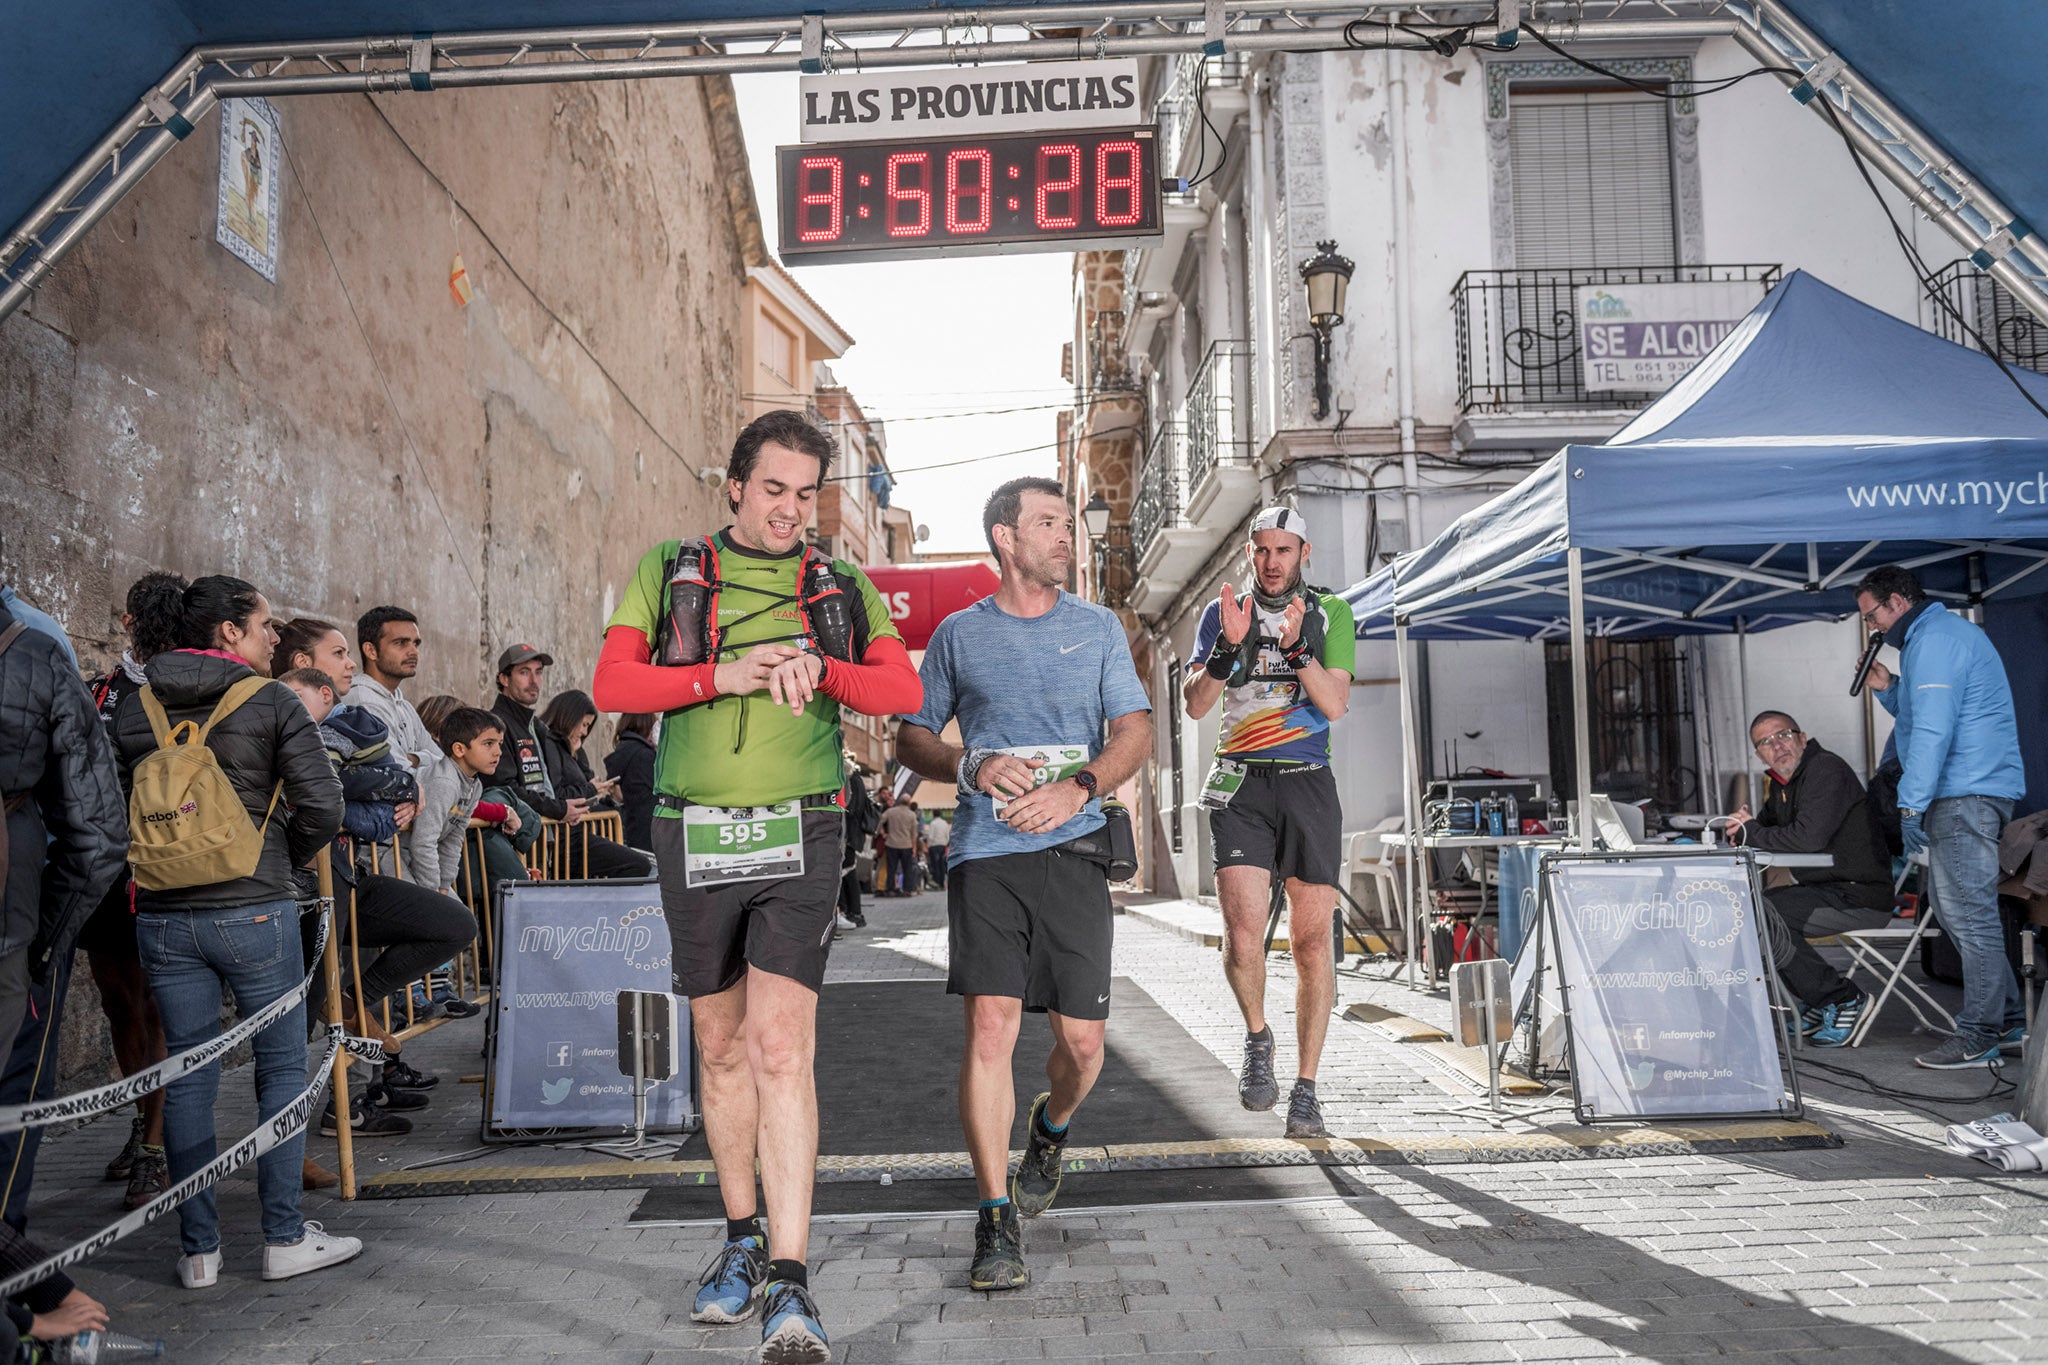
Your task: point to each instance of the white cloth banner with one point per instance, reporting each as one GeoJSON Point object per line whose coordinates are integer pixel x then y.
{"type": "Point", "coordinates": [1669, 996]}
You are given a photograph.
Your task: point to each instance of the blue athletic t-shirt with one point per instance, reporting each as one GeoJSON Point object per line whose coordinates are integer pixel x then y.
{"type": "Point", "coordinates": [1012, 680]}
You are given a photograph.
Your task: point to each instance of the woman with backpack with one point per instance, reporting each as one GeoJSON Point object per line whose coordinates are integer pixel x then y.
{"type": "Point", "coordinates": [230, 789]}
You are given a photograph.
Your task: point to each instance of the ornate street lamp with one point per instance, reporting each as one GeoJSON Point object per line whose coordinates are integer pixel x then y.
{"type": "Point", "coordinates": [1095, 517]}
{"type": "Point", "coordinates": [1327, 276]}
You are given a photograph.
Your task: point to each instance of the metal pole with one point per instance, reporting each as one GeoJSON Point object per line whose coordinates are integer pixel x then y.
{"type": "Point", "coordinates": [1412, 910]}
{"type": "Point", "coordinates": [1742, 670]}
{"type": "Point", "coordinates": [1582, 721]}
{"type": "Point", "coordinates": [331, 963]}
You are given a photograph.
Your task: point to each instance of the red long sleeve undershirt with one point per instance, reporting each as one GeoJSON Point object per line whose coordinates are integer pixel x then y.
{"type": "Point", "coordinates": [883, 684]}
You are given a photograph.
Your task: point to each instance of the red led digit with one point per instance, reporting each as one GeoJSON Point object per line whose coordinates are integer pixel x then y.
{"type": "Point", "coordinates": [976, 189]}
{"type": "Point", "coordinates": [830, 199]}
{"type": "Point", "coordinates": [1105, 183]}
{"type": "Point", "coordinates": [1068, 184]}
{"type": "Point", "coordinates": [918, 196]}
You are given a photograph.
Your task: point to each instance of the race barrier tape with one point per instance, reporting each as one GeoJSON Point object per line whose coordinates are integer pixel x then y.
{"type": "Point", "coordinates": [86, 1103]}
{"type": "Point", "coordinates": [280, 1127]}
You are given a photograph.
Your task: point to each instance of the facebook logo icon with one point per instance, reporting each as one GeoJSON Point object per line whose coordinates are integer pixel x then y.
{"type": "Point", "coordinates": [561, 1055]}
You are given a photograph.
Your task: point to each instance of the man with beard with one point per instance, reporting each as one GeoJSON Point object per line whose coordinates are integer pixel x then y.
{"type": "Point", "coordinates": [1033, 674]}
{"type": "Point", "coordinates": [1281, 659]}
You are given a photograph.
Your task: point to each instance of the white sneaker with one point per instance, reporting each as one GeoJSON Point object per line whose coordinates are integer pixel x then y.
{"type": "Point", "coordinates": [315, 1251]}
{"type": "Point", "coordinates": [199, 1272]}
{"type": "Point", "coordinates": [843, 922]}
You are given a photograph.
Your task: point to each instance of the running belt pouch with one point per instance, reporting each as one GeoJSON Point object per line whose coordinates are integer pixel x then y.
{"type": "Point", "coordinates": [187, 825]}
{"type": "Point", "coordinates": [1123, 841]}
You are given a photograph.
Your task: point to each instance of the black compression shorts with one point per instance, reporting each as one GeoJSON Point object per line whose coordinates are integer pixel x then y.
{"type": "Point", "coordinates": [1035, 926]}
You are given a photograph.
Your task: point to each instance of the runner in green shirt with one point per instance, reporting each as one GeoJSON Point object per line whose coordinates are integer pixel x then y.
{"type": "Point", "coordinates": [748, 643]}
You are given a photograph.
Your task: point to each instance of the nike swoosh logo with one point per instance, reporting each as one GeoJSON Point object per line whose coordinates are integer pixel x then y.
{"type": "Point", "coordinates": [1100, 999]}
{"type": "Point", "coordinates": [1071, 648]}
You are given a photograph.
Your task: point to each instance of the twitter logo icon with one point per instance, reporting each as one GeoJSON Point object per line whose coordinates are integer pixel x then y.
{"type": "Point", "coordinates": [554, 1092]}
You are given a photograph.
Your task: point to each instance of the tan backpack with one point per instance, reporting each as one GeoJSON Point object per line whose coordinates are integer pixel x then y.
{"type": "Point", "coordinates": [187, 825]}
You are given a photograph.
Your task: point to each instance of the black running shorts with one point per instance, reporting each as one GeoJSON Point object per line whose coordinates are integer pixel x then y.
{"type": "Point", "coordinates": [782, 926]}
{"type": "Point", "coordinates": [1034, 926]}
{"type": "Point", "coordinates": [1284, 818]}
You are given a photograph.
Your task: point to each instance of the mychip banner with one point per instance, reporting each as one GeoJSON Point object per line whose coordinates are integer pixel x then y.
{"type": "Point", "coordinates": [1666, 987]}
{"type": "Point", "coordinates": [565, 951]}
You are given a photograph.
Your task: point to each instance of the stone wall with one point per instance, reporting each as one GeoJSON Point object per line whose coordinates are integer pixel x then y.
{"type": "Point", "coordinates": [352, 435]}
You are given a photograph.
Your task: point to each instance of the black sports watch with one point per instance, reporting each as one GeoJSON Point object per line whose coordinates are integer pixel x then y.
{"type": "Point", "coordinates": [1087, 782]}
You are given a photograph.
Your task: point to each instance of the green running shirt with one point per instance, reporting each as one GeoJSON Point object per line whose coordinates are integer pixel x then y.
{"type": "Point", "coordinates": [745, 751]}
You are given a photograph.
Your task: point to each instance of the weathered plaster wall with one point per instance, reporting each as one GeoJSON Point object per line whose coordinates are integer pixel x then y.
{"type": "Point", "coordinates": [350, 435]}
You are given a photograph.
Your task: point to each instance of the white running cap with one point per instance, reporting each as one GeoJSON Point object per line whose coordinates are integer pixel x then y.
{"type": "Point", "coordinates": [1281, 518]}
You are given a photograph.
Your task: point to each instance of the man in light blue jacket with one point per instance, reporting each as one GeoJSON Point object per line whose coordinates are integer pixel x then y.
{"type": "Point", "coordinates": [1960, 747]}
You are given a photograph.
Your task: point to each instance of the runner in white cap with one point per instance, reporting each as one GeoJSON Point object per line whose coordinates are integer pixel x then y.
{"type": "Point", "coordinates": [1281, 658]}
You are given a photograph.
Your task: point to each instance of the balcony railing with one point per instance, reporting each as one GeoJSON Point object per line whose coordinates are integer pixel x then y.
{"type": "Point", "coordinates": [1219, 410]}
{"type": "Point", "coordinates": [1180, 103]}
{"type": "Point", "coordinates": [2008, 330]}
{"type": "Point", "coordinates": [1116, 567]}
{"type": "Point", "coordinates": [1158, 503]}
{"type": "Point", "coordinates": [1518, 332]}
{"type": "Point", "coordinates": [1109, 367]}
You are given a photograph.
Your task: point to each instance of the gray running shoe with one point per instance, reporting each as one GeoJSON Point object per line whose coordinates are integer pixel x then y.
{"type": "Point", "coordinates": [1037, 1181]}
{"type": "Point", "coordinates": [1305, 1113]}
{"type": "Point", "coordinates": [1256, 1088]}
{"type": "Point", "coordinates": [998, 1251]}
{"type": "Point", "coordinates": [1954, 1054]}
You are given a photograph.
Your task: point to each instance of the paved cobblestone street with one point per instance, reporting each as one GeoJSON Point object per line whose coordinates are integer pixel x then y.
{"type": "Point", "coordinates": [1887, 1246]}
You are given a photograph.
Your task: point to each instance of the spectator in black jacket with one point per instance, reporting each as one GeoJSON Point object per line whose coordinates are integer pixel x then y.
{"type": "Point", "coordinates": [524, 769]}
{"type": "Point", "coordinates": [65, 835]}
{"type": "Point", "coordinates": [631, 765]}
{"type": "Point", "coordinates": [1814, 803]}
{"type": "Point", "coordinates": [243, 934]}
{"type": "Point", "coordinates": [565, 726]}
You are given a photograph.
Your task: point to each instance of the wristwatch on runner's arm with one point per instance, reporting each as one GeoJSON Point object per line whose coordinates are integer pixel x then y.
{"type": "Point", "coordinates": [1086, 781]}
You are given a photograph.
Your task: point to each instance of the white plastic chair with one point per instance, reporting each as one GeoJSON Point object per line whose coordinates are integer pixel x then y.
{"type": "Point", "coordinates": [1866, 952]}
{"type": "Point", "coordinates": [1367, 855]}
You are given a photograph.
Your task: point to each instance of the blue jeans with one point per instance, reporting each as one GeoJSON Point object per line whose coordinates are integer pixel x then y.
{"type": "Point", "coordinates": [1962, 873]}
{"type": "Point", "coordinates": [254, 951]}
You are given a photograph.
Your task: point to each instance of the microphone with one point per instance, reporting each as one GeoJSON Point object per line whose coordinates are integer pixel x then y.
{"type": "Point", "coordinates": [1863, 664]}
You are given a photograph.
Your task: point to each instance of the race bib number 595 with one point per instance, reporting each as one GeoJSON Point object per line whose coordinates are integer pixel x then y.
{"type": "Point", "coordinates": [742, 844]}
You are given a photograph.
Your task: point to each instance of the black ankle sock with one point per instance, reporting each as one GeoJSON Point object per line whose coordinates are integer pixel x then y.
{"type": "Point", "coordinates": [749, 1226]}
{"type": "Point", "coordinates": [1047, 1131]}
{"type": "Point", "coordinates": [794, 1272]}
{"type": "Point", "coordinates": [1304, 1083]}
{"type": "Point", "coordinates": [1264, 1035]}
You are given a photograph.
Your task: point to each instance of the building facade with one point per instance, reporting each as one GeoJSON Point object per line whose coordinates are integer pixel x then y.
{"type": "Point", "coordinates": [1474, 194]}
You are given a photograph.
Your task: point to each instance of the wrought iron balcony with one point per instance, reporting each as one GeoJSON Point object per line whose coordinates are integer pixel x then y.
{"type": "Point", "coordinates": [1158, 503]}
{"type": "Point", "coordinates": [1517, 332]}
{"type": "Point", "coordinates": [1219, 414]}
{"type": "Point", "coordinates": [1109, 368]}
{"type": "Point", "coordinates": [2003, 323]}
{"type": "Point", "coordinates": [1189, 89]}
{"type": "Point", "coordinates": [1115, 566]}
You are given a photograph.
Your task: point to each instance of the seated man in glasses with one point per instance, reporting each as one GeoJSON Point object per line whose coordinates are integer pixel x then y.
{"type": "Point", "coordinates": [1814, 803]}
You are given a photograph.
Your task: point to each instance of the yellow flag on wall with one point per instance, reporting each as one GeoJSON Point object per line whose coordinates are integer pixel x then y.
{"type": "Point", "coordinates": [458, 282]}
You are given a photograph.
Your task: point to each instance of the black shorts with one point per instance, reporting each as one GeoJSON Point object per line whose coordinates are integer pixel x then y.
{"type": "Point", "coordinates": [782, 926]}
{"type": "Point", "coordinates": [1284, 818]}
{"type": "Point", "coordinates": [1035, 926]}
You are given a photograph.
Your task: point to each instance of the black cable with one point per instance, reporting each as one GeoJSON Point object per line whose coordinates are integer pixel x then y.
{"type": "Point", "coordinates": [1864, 1085]}
{"type": "Point", "coordinates": [1675, 90]}
{"type": "Point", "coordinates": [1919, 265]}
{"type": "Point", "coordinates": [978, 459]}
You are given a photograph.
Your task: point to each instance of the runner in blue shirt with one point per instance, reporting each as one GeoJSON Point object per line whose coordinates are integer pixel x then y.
{"type": "Point", "coordinates": [1036, 677]}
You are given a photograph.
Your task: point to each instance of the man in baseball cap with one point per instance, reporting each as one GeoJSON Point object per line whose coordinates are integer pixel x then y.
{"type": "Point", "coordinates": [1281, 659]}
{"type": "Point", "coordinates": [523, 767]}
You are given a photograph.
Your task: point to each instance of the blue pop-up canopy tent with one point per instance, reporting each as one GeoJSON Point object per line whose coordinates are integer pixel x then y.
{"type": "Point", "coordinates": [1821, 437]}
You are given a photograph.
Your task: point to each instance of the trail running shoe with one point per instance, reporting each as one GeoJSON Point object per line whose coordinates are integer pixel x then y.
{"type": "Point", "coordinates": [998, 1251]}
{"type": "Point", "coordinates": [1954, 1055]}
{"type": "Point", "coordinates": [1037, 1181]}
{"type": "Point", "coordinates": [1256, 1088]}
{"type": "Point", "coordinates": [150, 1176]}
{"type": "Point", "coordinates": [2013, 1040]}
{"type": "Point", "coordinates": [122, 1166]}
{"type": "Point", "coordinates": [1305, 1113]}
{"type": "Point", "coordinates": [1838, 1022]}
{"type": "Point", "coordinates": [732, 1282]}
{"type": "Point", "coordinates": [790, 1331]}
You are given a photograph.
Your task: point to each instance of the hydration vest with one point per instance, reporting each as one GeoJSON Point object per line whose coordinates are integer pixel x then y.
{"type": "Point", "coordinates": [689, 632]}
{"type": "Point", "coordinates": [1314, 629]}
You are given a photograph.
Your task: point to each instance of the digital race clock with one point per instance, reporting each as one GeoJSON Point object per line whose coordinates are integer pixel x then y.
{"type": "Point", "coordinates": [1062, 191]}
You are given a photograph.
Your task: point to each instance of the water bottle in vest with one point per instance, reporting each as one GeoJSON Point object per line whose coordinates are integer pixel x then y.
{"type": "Point", "coordinates": [825, 608]}
{"type": "Point", "coordinates": [689, 596]}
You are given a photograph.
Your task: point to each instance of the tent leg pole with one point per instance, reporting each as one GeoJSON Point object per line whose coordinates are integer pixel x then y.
{"type": "Point", "coordinates": [1409, 804]}
{"type": "Point", "coordinates": [1582, 721]}
{"type": "Point", "coordinates": [1742, 669]}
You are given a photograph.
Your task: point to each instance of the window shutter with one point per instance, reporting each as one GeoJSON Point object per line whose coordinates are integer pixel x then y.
{"type": "Point", "coordinates": [1592, 179]}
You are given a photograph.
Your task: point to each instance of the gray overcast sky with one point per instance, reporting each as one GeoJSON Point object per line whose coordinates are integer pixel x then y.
{"type": "Point", "coordinates": [931, 337]}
